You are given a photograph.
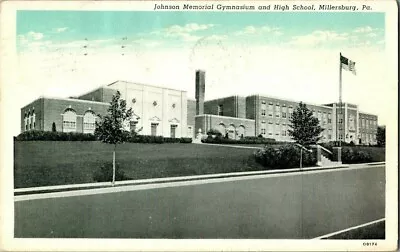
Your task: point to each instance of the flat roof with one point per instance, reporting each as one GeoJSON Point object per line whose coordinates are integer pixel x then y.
{"type": "Point", "coordinates": [228, 117]}
{"type": "Point", "coordinates": [290, 100]}
{"type": "Point", "coordinates": [72, 99]}
{"type": "Point", "coordinates": [145, 84]}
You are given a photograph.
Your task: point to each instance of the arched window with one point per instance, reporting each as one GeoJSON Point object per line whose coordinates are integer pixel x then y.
{"type": "Point", "coordinates": [26, 121]}
{"type": "Point", "coordinates": [33, 120]}
{"type": "Point", "coordinates": [69, 121]}
{"type": "Point", "coordinates": [29, 121]}
{"type": "Point", "coordinates": [222, 128]}
{"type": "Point", "coordinates": [89, 122]}
{"type": "Point", "coordinates": [232, 132]}
{"type": "Point", "coordinates": [241, 131]}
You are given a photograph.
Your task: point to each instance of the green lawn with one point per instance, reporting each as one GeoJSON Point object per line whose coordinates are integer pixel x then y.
{"type": "Point", "coordinates": [43, 163]}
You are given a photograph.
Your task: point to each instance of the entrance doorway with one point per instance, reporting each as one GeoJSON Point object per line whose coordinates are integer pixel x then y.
{"type": "Point", "coordinates": [173, 130]}
{"type": "Point", "coordinates": [154, 129]}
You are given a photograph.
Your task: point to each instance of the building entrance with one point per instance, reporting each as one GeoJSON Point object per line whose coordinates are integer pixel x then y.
{"type": "Point", "coordinates": [173, 131]}
{"type": "Point", "coordinates": [154, 129]}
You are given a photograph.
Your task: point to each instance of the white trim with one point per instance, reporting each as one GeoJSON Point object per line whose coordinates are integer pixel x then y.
{"type": "Point", "coordinates": [73, 100]}
{"type": "Point", "coordinates": [144, 85]}
{"type": "Point", "coordinates": [227, 117]}
{"type": "Point", "coordinates": [349, 229]}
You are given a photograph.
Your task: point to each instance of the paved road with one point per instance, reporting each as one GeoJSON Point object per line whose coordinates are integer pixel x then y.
{"type": "Point", "coordinates": [266, 207]}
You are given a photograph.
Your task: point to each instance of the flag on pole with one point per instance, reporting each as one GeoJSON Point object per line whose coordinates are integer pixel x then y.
{"type": "Point", "coordinates": [348, 64]}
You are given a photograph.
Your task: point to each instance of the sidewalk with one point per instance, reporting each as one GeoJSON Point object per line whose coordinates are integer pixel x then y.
{"type": "Point", "coordinates": [74, 187]}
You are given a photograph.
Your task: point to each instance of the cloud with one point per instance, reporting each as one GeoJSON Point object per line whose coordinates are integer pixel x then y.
{"type": "Point", "coordinates": [249, 30]}
{"type": "Point", "coordinates": [364, 29]}
{"type": "Point", "coordinates": [61, 29]}
{"type": "Point", "coordinates": [185, 32]}
{"type": "Point", "coordinates": [372, 35]}
{"type": "Point", "coordinates": [318, 37]}
{"type": "Point", "coordinates": [34, 35]}
{"type": "Point", "coordinates": [188, 28]}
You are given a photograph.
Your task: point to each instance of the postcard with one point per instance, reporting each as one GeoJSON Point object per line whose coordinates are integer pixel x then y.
{"type": "Point", "coordinates": [199, 125]}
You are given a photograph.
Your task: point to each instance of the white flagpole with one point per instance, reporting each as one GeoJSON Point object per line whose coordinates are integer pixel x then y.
{"type": "Point", "coordinates": [340, 100]}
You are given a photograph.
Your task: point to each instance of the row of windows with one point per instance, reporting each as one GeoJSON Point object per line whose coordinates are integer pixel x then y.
{"type": "Point", "coordinates": [30, 121]}
{"type": "Point", "coordinates": [277, 105]}
{"type": "Point", "coordinates": [69, 121]}
{"type": "Point", "coordinates": [368, 123]}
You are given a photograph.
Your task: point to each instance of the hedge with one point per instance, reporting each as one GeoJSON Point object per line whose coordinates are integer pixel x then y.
{"type": "Point", "coordinates": [354, 156]}
{"type": "Point", "coordinates": [284, 157]}
{"type": "Point", "coordinates": [36, 135]}
{"type": "Point", "coordinates": [245, 140]}
{"type": "Point", "coordinates": [158, 139]}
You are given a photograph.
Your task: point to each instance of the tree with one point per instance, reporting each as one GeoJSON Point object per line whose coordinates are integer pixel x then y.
{"type": "Point", "coordinates": [112, 127]}
{"type": "Point", "coordinates": [381, 136]}
{"type": "Point", "coordinates": [305, 127]}
{"type": "Point", "coordinates": [53, 127]}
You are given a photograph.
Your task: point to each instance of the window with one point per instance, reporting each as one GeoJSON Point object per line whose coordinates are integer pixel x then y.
{"type": "Point", "coordinates": [283, 115]}
{"type": "Point", "coordinates": [190, 131]}
{"type": "Point", "coordinates": [221, 110]}
{"type": "Point", "coordinates": [25, 122]}
{"type": "Point", "coordinates": [263, 112]}
{"type": "Point", "coordinates": [270, 110]}
{"type": "Point", "coordinates": [329, 118]}
{"type": "Point", "coordinates": [277, 129]}
{"type": "Point", "coordinates": [263, 128]}
{"type": "Point", "coordinates": [277, 110]}
{"type": "Point", "coordinates": [89, 122]}
{"type": "Point", "coordinates": [270, 129]}
{"type": "Point", "coordinates": [290, 112]}
{"type": "Point", "coordinates": [69, 121]}
{"type": "Point", "coordinates": [33, 118]}
{"type": "Point", "coordinates": [325, 120]}
{"type": "Point", "coordinates": [340, 120]}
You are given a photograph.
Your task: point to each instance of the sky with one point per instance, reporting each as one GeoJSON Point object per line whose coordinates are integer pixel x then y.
{"type": "Point", "coordinates": [293, 55]}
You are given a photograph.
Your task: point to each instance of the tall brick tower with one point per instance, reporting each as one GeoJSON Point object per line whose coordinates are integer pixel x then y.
{"type": "Point", "coordinates": [200, 91]}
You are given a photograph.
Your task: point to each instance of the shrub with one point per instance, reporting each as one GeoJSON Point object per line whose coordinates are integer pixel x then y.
{"type": "Point", "coordinates": [37, 135]}
{"type": "Point", "coordinates": [245, 140]}
{"type": "Point", "coordinates": [284, 157]}
{"type": "Point", "coordinates": [214, 132]}
{"type": "Point", "coordinates": [105, 173]}
{"type": "Point", "coordinates": [185, 140]}
{"type": "Point", "coordinates": [354, 156]}
{"type": "Point", "coordinates": [134, 138]}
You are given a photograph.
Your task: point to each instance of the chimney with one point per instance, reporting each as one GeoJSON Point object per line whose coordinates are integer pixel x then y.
{"type": "Point", "coordinates": [200, 91]}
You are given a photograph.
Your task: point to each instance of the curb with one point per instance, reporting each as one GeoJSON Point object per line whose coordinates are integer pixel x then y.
{"type": "Point", "coordinates": [76, 187]}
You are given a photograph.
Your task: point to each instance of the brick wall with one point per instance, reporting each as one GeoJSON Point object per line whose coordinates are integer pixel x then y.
{"type": "Point", "coordinates": [100, 95]}
{"type": "Point", "coordinates": [191, 112]}
{"type": "Point", "coordinates": [35, 107]}
{"type": "Point", "coordinates": [233, 106]}
{"type": "Point", "coordinates": [54, 108]}
{"type": "Point", "coordinates": [207, 122]}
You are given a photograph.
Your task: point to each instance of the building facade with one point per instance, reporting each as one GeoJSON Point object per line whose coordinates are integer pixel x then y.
{"type": "Point", "coordinates": [168, 112]}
